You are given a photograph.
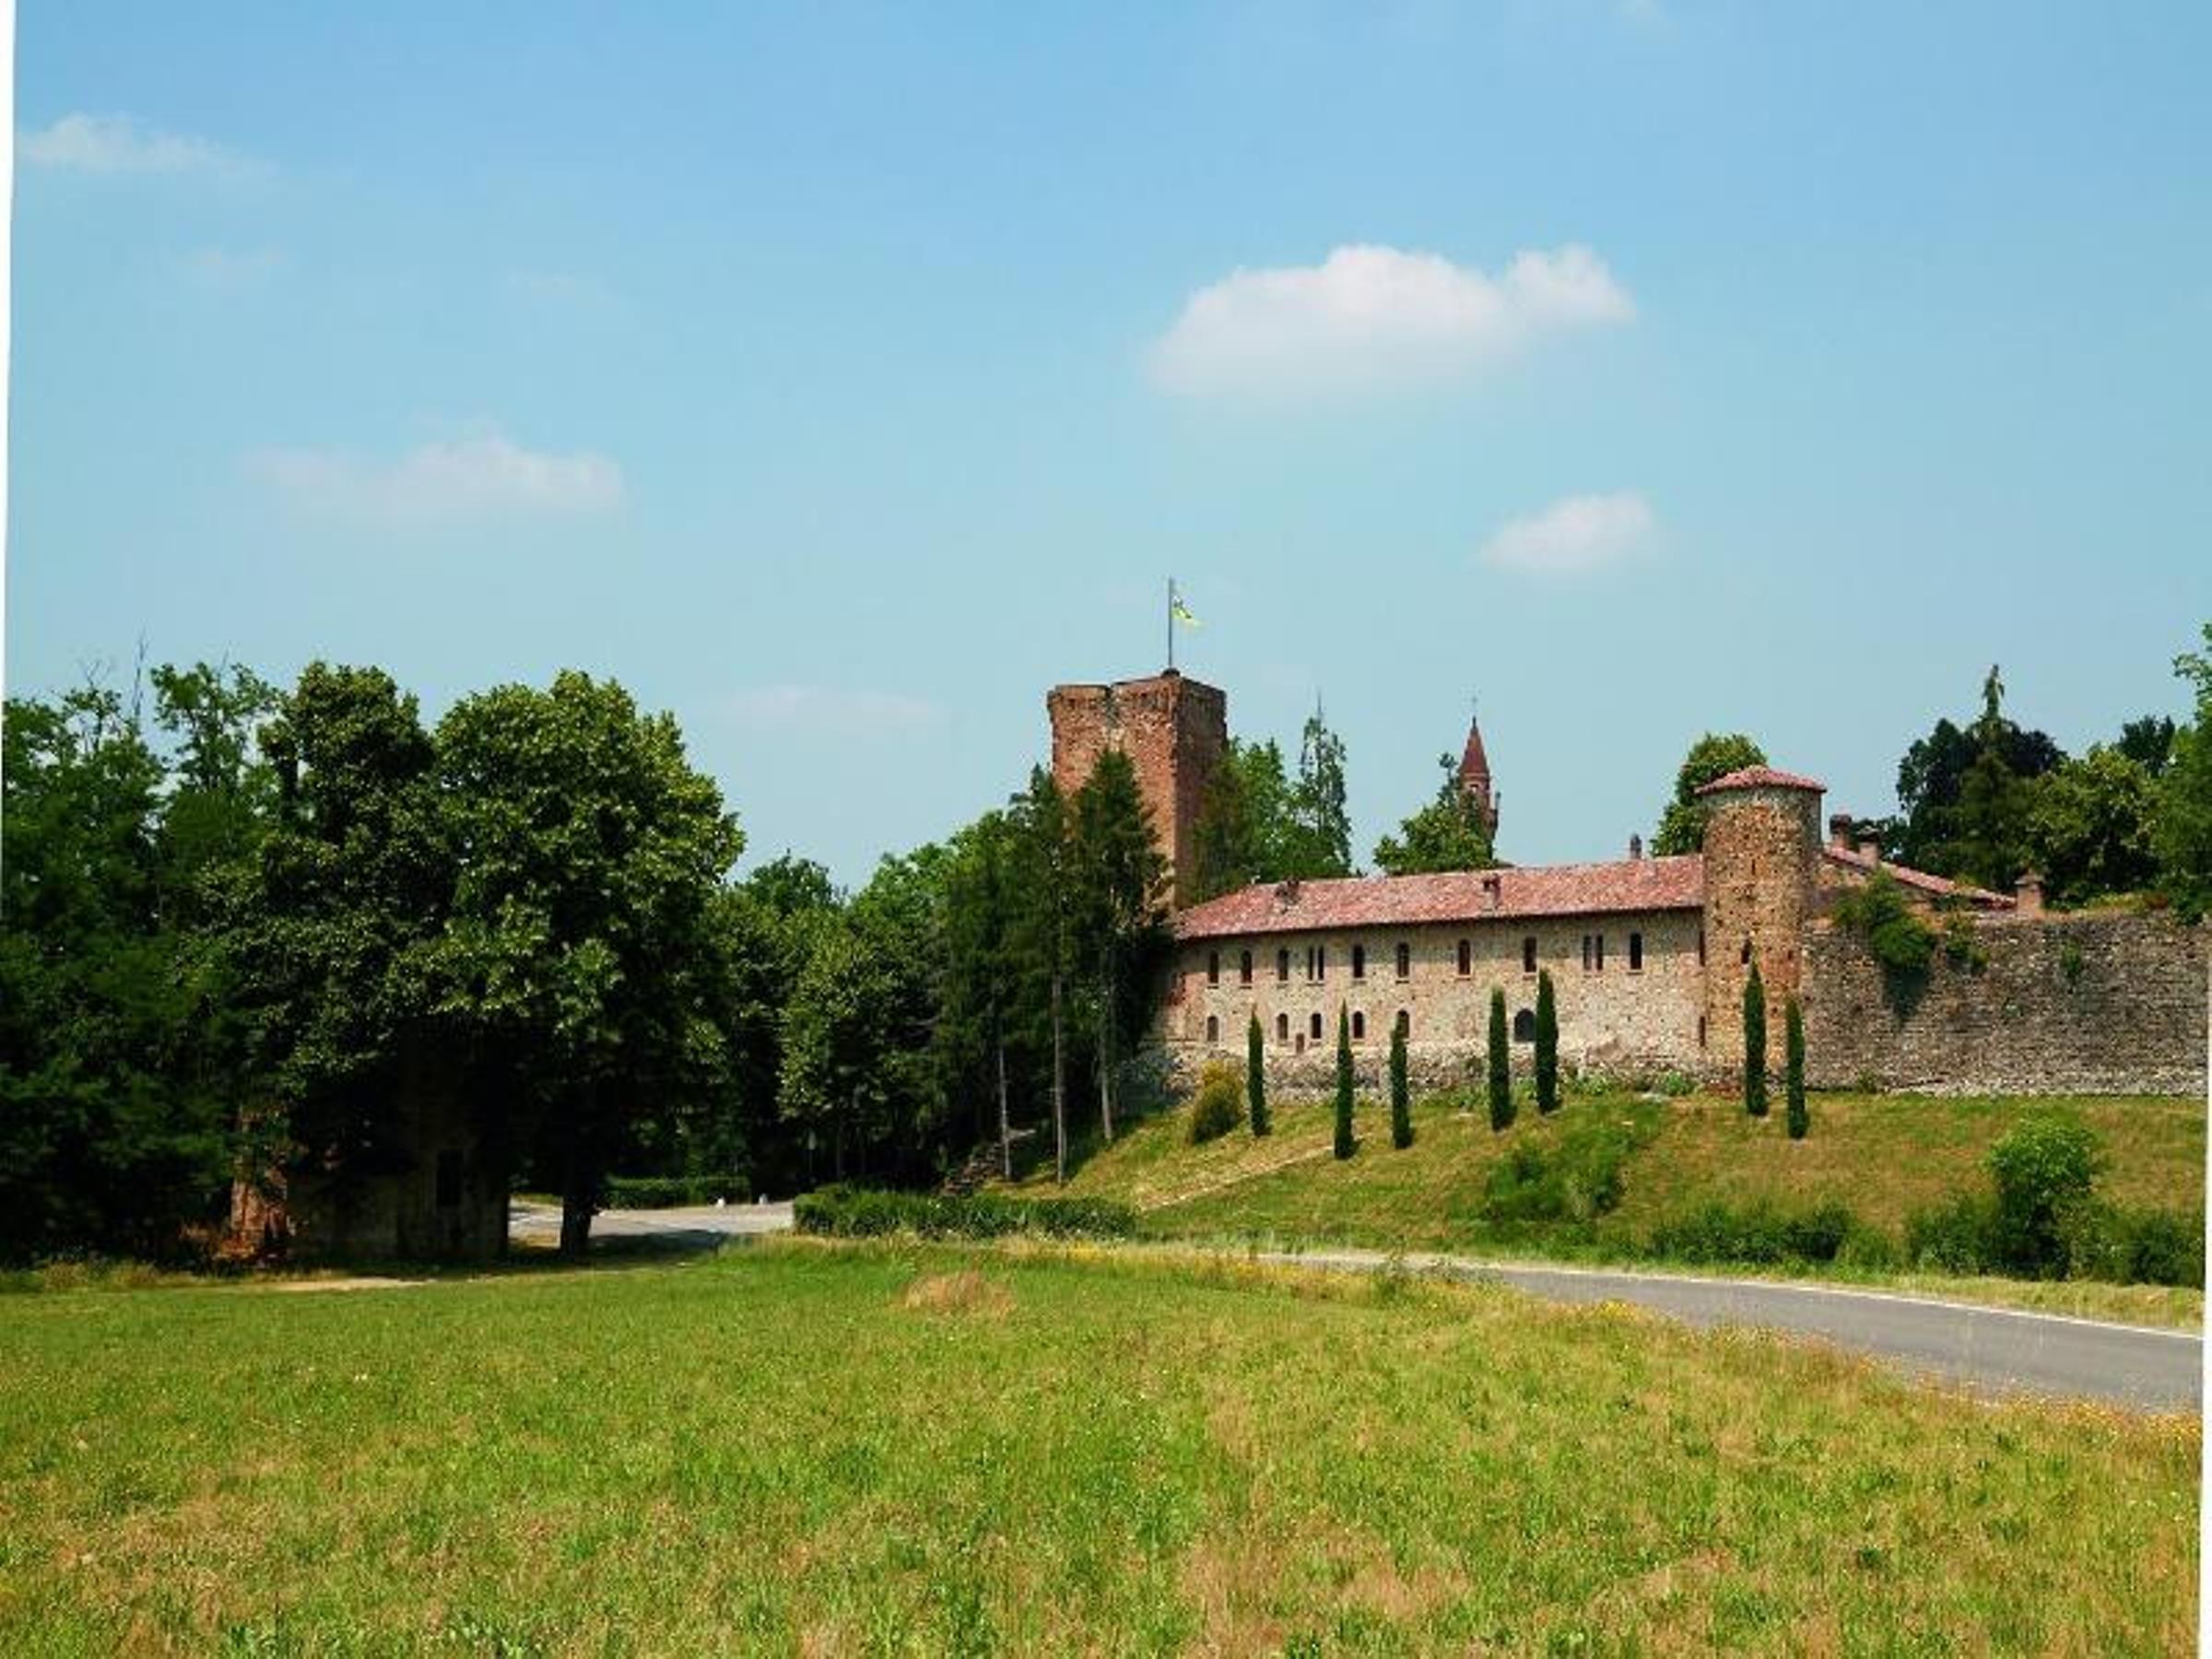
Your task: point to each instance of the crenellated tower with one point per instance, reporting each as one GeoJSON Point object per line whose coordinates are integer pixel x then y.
{"type": "Point", "coordinates": [1175, 732]}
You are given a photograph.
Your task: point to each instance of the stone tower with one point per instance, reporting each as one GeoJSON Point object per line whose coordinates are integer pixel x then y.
{"type": "Point", "coordinates": [1175, 732]}
{"type": "Point", "coordinates": [1474, 775]}
{"type": "Point", "coordinates": [1762, 852]}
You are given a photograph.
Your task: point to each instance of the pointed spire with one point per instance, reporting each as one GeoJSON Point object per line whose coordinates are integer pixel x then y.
{"type": "Point", "coordinates": [1475, 772]}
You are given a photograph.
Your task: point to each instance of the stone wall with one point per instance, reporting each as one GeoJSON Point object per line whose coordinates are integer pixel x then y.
{"type": "Point", "coordinates": [1762, 846]}
{"type": "Point", "coordinates": [1175, 732]}
{"type": "Point", "coordinates": [1612, 1018]}
{"type": "Point", "coordinates": [2102, 1003]}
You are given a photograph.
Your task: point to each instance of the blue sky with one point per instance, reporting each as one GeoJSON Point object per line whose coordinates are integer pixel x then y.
{"type": "Point", "coordinates": [839, 378]}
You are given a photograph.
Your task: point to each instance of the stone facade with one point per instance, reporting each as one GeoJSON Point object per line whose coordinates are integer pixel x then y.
{"type": "Point", "coordinates": [1175, 732]}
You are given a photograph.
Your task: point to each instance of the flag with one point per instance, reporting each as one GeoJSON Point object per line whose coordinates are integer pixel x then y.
{"type": "Point", "coordinates": [1180, 612]}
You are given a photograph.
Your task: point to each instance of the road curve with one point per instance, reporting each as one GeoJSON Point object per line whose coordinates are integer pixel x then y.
{"type": "Point", "coordinates": [2001, 1350]}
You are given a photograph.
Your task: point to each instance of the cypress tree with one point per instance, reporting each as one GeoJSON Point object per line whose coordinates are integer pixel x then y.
{"type": "Point", "coordinates": [1755, 1044]}
{"type": "Point", "coordinates": [1344, 1083]}
{"type": "Point", "coordinates": [1255, 1077]}
{"type": "Point", "coordinates": [1501, 1069]}
{"type": "Point", "coordinates": [1548, 1045]}
{"type": "Point", "coordinates": [1793, 1070]}
{"type": "Point", "coordinates": [1401, 1102]}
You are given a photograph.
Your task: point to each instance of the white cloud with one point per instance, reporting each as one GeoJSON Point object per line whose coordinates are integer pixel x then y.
{"type": "Point", "coordinates": [1369, 317]}
{"type": "Point", "coordinates": [1572, 535]}
{"type": "Point", "coordinates": [484, 475]}
{"type": "Point", "coordinates": [831, 712]}
{"type": "Point", "coordinates": [118, 144]}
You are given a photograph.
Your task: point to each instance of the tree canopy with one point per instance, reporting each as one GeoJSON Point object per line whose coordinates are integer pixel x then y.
{"type": "Point", "coordinates": [1715, 755]}
{"type": "Point", "coordinates": [1449, 833]}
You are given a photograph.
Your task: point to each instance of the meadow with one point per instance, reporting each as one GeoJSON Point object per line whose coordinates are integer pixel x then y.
{"type": "Point", "coordinates": [1885, 1157]}
{"type": "Point", "coordinates": [802, 1448]}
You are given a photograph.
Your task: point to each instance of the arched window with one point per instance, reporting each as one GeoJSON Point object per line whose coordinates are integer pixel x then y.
{"type": "Point", "coordinates": [1359, 1026]}
{"type": "Point", "coordinates": [1359, 961]}
{"type": "Point", "coordinates": [1635, 953]}
{"type": "Point", "coordinates": [1213, 967]}
{"type": "Point", "coordinates": [1315, 1027]}
{"type": "Point", "coordinates": [1244, 969]}
{"type": "Point", "coordinates": [1282, 1028]}
{"type": "Point", "coordinates": [1525, 1026]}
{"type": "Point", "coordinates": [1405, 1022]}
{"type": "Point", "coordinates": [1282, 967]}
{"type": "Point", "coordinates": [1601, 953]}
{"type": "Point", "coordinates": [1528, 954]}
{"type": "Point", "coordinates": [1320, 962]}
{"type": "Point", "coordinates": [1405, 959]}
{"type": "Point", "coordinates": [1700, 1031]}
{"type": "Point", "coordinates": [1466, 959]}
{"type": "Point", "coordinates": [1746, 955]}
{"type": "Point", "coordinates": [1213, 1028]}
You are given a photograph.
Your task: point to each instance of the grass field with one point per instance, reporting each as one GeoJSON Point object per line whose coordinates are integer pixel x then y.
{"type": "Point", "coordinates": [1885, 1156]}
{"type": "Point", "coordinates": [811, 1449]}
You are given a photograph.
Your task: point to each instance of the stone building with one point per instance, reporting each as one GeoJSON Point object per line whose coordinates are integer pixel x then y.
{"type": "Point", "coordinates": [1648, 956]}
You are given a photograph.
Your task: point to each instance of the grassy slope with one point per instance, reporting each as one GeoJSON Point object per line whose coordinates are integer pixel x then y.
{"type": "Point", "coordinates": [1883, 1154]}
{"type": "Point", "coordinates": [800, 1449]}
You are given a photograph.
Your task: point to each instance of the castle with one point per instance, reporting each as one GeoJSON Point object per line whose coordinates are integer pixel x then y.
{"type": "Point", "coordinates": [1649, 956]}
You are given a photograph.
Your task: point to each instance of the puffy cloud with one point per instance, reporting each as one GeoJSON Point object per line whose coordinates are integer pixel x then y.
{"type": "Point", "coordinates": [118, 144]}
{"type": "Point", "coordinates": [484, 475]}
{"type": "Point", "coordinates": [1573, 535]}
{"type": "Point", "coordinates": [1373, 316]}
{"type": "Point", "coordinates": [828, 711]}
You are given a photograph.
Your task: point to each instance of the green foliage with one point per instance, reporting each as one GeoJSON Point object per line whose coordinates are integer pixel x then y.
{"type": "Point", "coordinates": [2128, 1245]}
{"type": "Point", "coordinates": [1965, 797]}
{"type": "Point", "coordinates": [1401, 1098]}
{"type": "Point", "coordinates": [1321, 826]}
{"type": "Point", "coordinates": [1255, 1076]}
{"type": "Point", "coordinates": [1799, 1119]}
{"type": "Point", "coordinates": [1215, 1108]}
{"type": "Point", "coordinates": [2182, 830]}
{"type": "Point", "coordinates": [1119, 916]}
{"type": "Point", "coordinates": [1581, 1176]}
{"type": "Point", "coordinates": [1755, 1044]}
{"type": "Point", "coordinates": [1257, 823]}
{"type": "Point", "coordinates": [1548, 1045]}
{"type": "Point", "coordinates": [1345, 1145]}
{"type": "Point", "coordinates": [1449, 833]}
{"type": "Point", "coordinates": [1498, 1072]}
{"type": "Point", "coordinates": [2044, 1171]}
{"type": "Point", "coordinates": [1900, 943]}
{"type": "Point", "coordinates": [671, 1191]}
{"type": "Point", "coordinates": [1757, 1236]}
{"type": "Point", "coordinates": [845, 1212]}
{"type": "Point", "coordinates": [1715, 755]}
{"type": "Point", "coordinates": [2089, 824]}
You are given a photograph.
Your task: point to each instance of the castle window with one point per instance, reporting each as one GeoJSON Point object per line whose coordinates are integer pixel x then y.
{"type": "Point", "coordinates": [1701, 947]}
{"type": "Point", "coordinates": [1585, 953]}
{"type": "Point", "coordinates": [1359, 1026]}
{"type": "Point", "coordinates": [1466, 959]}
{"type": "Point", "coordinates": [1601, 952]}
{"type": "Point", "coordinates": [1700, 1031]}
{"type": "Point", "coordinates": [1528, 954]}
{"type": "Point", "coordinates": [1320, 962]}
{"type": "Point", "coordinates": [1635, 953]}
{"type": "Point", "coordinates": [1314, 1027]}
{"type": "Point", "coordinates": [1213, 967]}
{"type": "Point", "coordinates": [1525, 1026]}
{"type": "Point", "coordinates": [1746, 956]}
{"type": "Point", "coordinates": [1282, 1028]}
{"type": "Point", "coordinates": [1213, 1028]}
{"type": "Point", "coordinates": [1359, 961]}
{"type": "Point", "coordinates": [1244, 969]}
{"type": "Point", "coordinates": [1405, 1022]}
{"type": "Point", "coordinates": [1405, 959]}
{"type": "Point", "coordinates": [1282, 967]}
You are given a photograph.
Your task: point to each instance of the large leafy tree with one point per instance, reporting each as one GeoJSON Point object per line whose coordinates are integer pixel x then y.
{"type": "Point", "coordinates": [1449, 833]}
{"type": "Point", "coordinates": [588, 853]}
{"type": "Point", "coordinates": [977, 1025]}
{"type": "Point", "coordinates": [1961, 811]}
{"type": "Point", "coordinates": [2181, 829]}
{"type": "Point", "coordinates": [2089, 826]}
{"type": "Point", "coordinates": [1120, 892]}
{"type": "Point", "coordinates": [1715, 755]}
{"type": "Point", "coordinates": [1321, 826]}
{"type": "Point", "coordinates": [1041, 942]}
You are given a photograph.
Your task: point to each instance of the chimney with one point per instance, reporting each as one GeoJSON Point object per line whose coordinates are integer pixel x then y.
{"type": "Point", "coordinates": [1635, 846]}
{"type": "Point", "coordinates": [1870, 849]}
{"type": "Point", "coordinates": [2028, 894]}
{"type": "Point", "coordinates": [1839, 831]}
{"type": "Point", "coordinates": [1490, 891]}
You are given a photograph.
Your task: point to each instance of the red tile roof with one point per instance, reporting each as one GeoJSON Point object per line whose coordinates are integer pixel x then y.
{"type": "Point", "coordinates": [1474, 761]}
{"type": "Point", "coordinates": [1762, 777]}
{"type": "Point", "coordinates": [1635, 883]}
{"type": "Point", "coordinates": [1938, 885]}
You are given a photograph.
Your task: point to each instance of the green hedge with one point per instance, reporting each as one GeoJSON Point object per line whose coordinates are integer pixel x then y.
{"type": "Point", "coordinates": [859, 1213]}
{"type": "Point", "coordinates": [1760, 1235]}
{"type": "Point", "coordinates": [667, 1192]}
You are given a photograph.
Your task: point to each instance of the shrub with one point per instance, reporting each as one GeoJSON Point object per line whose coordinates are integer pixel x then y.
{"type": "Point", "coordinates": [1958, 1237]}
{"type": "Point", "coordinates": [667, 1192]}
{"type": "Point", "coordinates": [2131, 1246]}
{"type": "Point", "coordinates": [1344, 1083]}
{"type": "Point", "coordinates": [1215, 1108]}
{"type": "Point", "coordinates": [1580, 1177]}
{"type": "Point", "coordinates": [1401, 1102]}
{"type": "Point", "coordinates": [2044, 1170]}
{"type": "Point", "coordinates": [1255, 1074]}
{"type": "Point", "coordinates": [1759, 1235]}
{"type": "Point", "coordinates": [1793, 1072]}
{"type": "Point", "coordinates": [1900, 943]}
{"type": "Point", "coordinates": [1500, 1077]}
{"type": "Point", "coordinates": [858, 1212]}
{"type": "Point", "coordinates": [1755, 1044]}
{"type": "Point", "coordinates": [1547, 1046]}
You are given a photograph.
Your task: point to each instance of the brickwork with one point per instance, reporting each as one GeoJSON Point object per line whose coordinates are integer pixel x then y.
{"type": "Point", "coordinates": [2100, 1003]}
{"type": "Point", "coordinates": [1762, 847]}
{"type": "Point", "coordinates": [1175, 732]}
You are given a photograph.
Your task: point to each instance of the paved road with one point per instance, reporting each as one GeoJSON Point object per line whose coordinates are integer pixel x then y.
{"type": "Point", "coordinates": [1997, 1349]}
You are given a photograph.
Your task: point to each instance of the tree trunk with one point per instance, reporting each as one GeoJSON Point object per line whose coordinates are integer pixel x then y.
{"type": "Point", "coordinates": [1006, 1135]}
{"type": "Point", "coordinates": [1059, 1089]}
{"type": "Point", "coordinates": [1106, 1048]}
{"type": "Point", "coordinates": [576, 1184]}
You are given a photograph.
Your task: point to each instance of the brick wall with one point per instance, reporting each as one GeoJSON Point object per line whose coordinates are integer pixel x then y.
{"type": "Point", "coordinates": [1762, 849]}
{"type": "Point", "coordinates": [1175, 732]}
{"type": "Point", "coordinates": [2088, 1004]}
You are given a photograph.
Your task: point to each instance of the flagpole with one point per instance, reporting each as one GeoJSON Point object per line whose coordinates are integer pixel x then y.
{"type": "Point", "coordinates": [1171, 624]}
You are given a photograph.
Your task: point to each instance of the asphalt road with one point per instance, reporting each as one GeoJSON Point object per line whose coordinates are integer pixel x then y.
{"type": "Point", "coordinates": [1999, 1350]}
